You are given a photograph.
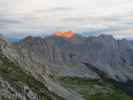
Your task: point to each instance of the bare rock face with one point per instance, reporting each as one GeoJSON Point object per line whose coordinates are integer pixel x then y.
{"type": "Point", "coordinates": [48, 59]}
{"type": "Point", "coordinates": [65, 57]}
{"type": "Point", "coordinates": [8, 92]}
{"type": "Point", "coordinates": [28, 72]}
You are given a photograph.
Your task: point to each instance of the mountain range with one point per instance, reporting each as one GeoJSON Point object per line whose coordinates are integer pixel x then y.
{"type": "Point", "coordinates": [59, 68]}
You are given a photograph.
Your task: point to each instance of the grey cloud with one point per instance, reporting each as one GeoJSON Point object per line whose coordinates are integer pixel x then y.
{"type": "Point", "coordinates": [102, 30]}
{"type": "Point", "coordinates": [76, 19]}
{"type": "Point", "coordinates": [113, 18]}
{"type": "Point", "coordinates": [39, 11]}
{"type": "Point", "coordinates": [129, 23]}
{"type": "Point", "coordinates": [61, 9]}
{"type": "Point", "coordinates": [89, 18]}
{"type": "Point", "coordinates": [9, 21]}
{"type": "Point", "coordinates": [52, 10]}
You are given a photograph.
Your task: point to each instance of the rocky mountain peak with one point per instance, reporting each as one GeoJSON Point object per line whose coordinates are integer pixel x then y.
{"type": "Point", "coordinates": [3, 41]}
{"type": "Point", "coordinates": [28, 39]}
{"type": "Point", "coordinates": [51, 61]}
{"type": "Point", "coordinates": [67, 35]}
{"type": "Point", "coordinates": [104, 51]}
{"type": "Point", "coordinates": [106, 37]}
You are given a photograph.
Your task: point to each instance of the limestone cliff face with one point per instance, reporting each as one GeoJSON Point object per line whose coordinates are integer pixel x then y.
{"type": "Point", "coordinates": [65, 57]}
{"type": "Point", "coordinates": [46, 60]}
{"type": "Point", "coordinates": [23, 77]}
{"type": "Point", "coordinates": [39, 68]}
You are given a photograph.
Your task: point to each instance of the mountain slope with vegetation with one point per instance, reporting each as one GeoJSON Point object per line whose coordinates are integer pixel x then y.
{"type": "Point", "coordinates": [58, 68]}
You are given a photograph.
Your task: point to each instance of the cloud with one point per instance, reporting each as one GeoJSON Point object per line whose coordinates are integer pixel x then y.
{"type": "Point", "coordinates": [9, 21]}
{"type": "Point", "coordinates": [59, 9]}
{"type": "Point", "coordinates": [53, 10]}
{"type": "Point", "coordinates": [23, 17]}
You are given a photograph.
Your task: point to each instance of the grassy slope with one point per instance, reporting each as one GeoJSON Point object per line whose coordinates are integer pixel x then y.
{"type": "Point", "coordinates": [16, 77]}
{"type": "Point", "coordinates": [94, 89]}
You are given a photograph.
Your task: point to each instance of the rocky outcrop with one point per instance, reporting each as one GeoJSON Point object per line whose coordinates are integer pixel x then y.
{"type": "Point", "coordinates": [65, 57]}
{"type": "Point", "coordinates": [23, 65]}
{"type": "Point", "coordinates": [49, 59]}
{"type": "Point", "coordinates": [28, 62]}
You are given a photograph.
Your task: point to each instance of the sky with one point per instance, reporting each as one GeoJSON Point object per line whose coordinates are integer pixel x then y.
{"type": "Point", "coordinates": [19, 18]}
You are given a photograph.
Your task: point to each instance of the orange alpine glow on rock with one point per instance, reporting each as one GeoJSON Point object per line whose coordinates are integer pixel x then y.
{"type": "Point", "coordinates": [68, 34]}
